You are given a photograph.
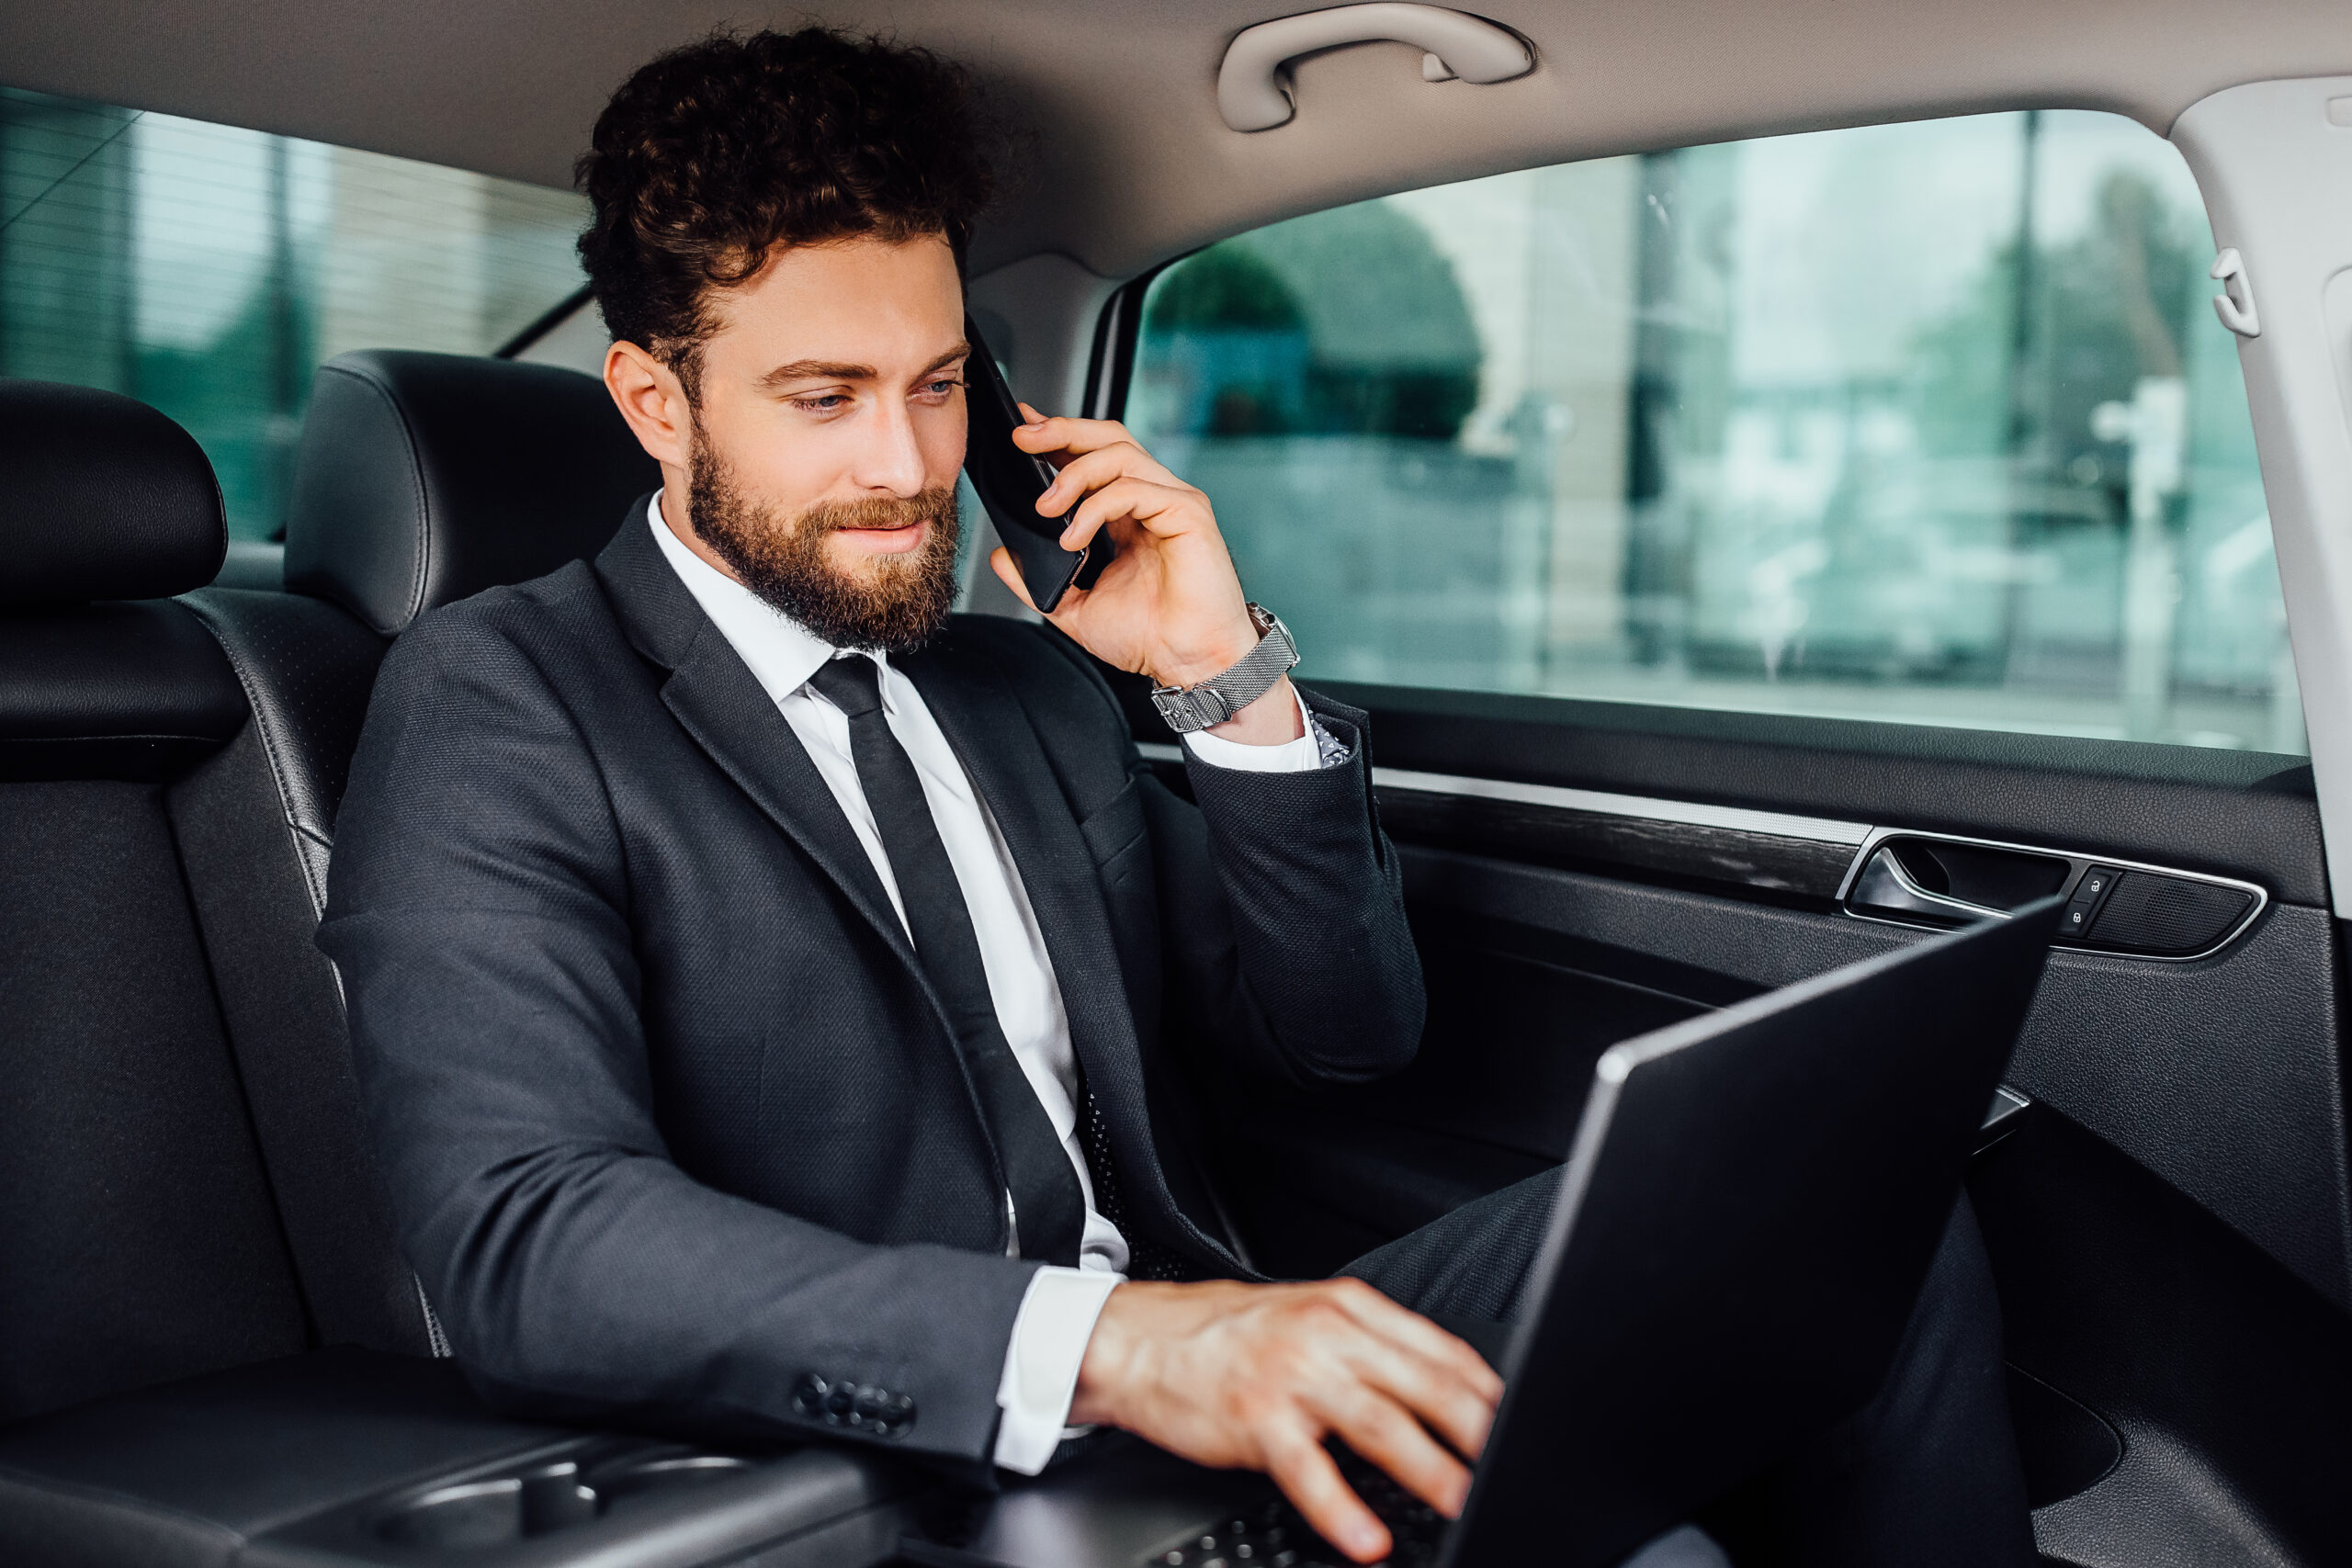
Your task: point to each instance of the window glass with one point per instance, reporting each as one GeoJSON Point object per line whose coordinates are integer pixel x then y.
{"type": "Point", "coordinates": [208, 270]}
{"type": "Point", "coordinates": [1929, 422]}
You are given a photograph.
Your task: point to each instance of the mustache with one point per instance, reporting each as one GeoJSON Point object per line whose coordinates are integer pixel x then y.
{"type": "Point", "coordinates": [897, 602]}
{"type": "Point", "coordinates": [885, 513]}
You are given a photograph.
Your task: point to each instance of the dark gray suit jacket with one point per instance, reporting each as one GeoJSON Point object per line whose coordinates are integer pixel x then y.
{"type": "Point", "coordinates": [671, 1119]}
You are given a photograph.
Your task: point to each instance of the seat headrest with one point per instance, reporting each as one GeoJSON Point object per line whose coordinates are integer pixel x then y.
{"type": "Point", "coordinates": [424, 477]}
{"type": "Point", "coordinates": [104, 498]}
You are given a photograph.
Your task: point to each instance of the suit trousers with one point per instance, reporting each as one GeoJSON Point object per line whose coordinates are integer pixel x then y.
{"type": "Point", "coordinates": [1925, 1474]}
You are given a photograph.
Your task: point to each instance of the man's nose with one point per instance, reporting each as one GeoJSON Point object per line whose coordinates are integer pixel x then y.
{"type": "Point", "coordinates": [892, 459]}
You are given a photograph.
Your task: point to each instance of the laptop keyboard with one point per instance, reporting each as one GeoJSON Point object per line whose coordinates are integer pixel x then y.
{"type": "Point", "coordinates": [1277, 1536]}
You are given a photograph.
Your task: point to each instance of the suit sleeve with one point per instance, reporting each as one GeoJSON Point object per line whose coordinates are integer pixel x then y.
{"type": "Point", "coordinates": [478, 915]}
{"type": "Point", "coordinates": [1285, 922]}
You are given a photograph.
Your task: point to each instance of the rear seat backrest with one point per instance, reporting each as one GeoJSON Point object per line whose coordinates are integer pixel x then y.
{"type": "Point", "coordinates": [421, 477]}
{"type": "Point", "coordinates": [163, 860]}
{"type": "Point", "coordinates": [136, 1220]}
{"type": "Point", "coordinates": [426, 477]}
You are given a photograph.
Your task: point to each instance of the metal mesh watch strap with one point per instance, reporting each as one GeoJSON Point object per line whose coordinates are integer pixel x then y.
{"type": "Point", "coordinates": [1219, 697]}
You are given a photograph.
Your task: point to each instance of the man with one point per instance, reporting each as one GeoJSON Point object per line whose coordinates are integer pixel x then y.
{"type": "Point", "coordinates": [770, 994]}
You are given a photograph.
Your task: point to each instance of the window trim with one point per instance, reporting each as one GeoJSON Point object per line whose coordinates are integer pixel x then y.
{"type": "Point", "coordinates": [2250, 816]}
{"type": "Point", "coordinates": [1118, 329]}
{"type": "Point", "coordinates": [546, 322]}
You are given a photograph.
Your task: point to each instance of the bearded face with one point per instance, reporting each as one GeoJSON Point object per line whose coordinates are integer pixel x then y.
{"type": "Point", "coordinates": [883, 604]}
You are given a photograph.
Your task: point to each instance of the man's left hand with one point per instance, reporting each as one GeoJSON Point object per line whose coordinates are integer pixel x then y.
{"type": "Point", "coordinates": [1169, 605]}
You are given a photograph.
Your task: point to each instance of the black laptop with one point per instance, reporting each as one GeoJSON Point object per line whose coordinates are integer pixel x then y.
{"type": "Point", "coordinates": [1746, 1214]}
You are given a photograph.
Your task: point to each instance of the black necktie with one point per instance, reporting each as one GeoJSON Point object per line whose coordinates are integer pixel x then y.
{"type": "Point", "coordinates": [1048, 1208]}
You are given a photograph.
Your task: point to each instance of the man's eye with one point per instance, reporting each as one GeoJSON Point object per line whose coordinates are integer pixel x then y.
{"type": "Point", "coordinates": [944, 385]}
{"type": "Point", "coordinates": [824, 403]}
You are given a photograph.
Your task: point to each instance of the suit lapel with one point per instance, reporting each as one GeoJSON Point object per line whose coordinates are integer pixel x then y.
{"type": "Point", "coordinates": [979, 711]}
{"type": "Point", "coordinates": [715, 695]}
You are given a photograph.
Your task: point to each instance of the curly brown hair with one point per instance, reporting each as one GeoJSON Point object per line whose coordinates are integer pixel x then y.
{"type": "Point", "coordinates": [712, 156]}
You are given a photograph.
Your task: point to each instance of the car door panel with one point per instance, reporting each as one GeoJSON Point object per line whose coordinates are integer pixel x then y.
{"type": "Point", "coordinates": [2244, 814]}
{"type": "Point", "coordinates": [2226, 1377]}
{"type": "Point", "coordinates": [2179, 1182]}
{"type": "Point", "coordinates": [2222, 1075]}
{"type": "Point", "coordinates": [1492, 1098]}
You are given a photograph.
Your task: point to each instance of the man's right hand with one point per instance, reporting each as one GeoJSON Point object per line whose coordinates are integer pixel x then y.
{"type": "Point", "coordinates": [1255, 1377]}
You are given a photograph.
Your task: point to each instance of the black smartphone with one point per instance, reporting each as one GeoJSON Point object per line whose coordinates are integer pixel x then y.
{"type": "Point", "coordinates": [1009, 482]}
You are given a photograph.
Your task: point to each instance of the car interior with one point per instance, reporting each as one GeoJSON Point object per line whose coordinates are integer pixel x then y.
{"type": "Point", "coordinates": [1770, 473]}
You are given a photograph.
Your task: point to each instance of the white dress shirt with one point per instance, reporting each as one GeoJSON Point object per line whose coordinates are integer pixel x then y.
{"type": "Point", "coordinates": [1057, 1316]}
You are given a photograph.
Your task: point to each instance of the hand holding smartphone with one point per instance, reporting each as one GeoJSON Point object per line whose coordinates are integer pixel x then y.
{"type": "Point", "coordinates": [1174, 610]}
{"type": "Point", "coordinates": [1009, 482]}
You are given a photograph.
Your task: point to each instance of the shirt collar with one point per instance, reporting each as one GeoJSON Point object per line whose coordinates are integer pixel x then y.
{"type": "Point", "coordinates": [782, 652]}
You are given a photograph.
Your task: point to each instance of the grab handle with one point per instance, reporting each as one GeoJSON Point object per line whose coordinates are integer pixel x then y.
{"type": "Point", "coordinates": [1249, 92]}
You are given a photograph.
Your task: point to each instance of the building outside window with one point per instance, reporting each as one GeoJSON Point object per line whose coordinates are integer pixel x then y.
{"type": "Point", "coordinates": [208, 270]}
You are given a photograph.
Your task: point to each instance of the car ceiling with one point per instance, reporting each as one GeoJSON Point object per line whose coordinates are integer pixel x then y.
{"type": "Point", "coordinates": [1120, 159]}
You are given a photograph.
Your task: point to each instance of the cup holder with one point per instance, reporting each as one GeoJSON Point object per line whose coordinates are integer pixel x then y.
{"type": "Point", "coordinates": [492, 1512]}
{"type": "Point", "coordinates": [619, 1485]}
{"type": "Point", "coordinates": [499, 1510]}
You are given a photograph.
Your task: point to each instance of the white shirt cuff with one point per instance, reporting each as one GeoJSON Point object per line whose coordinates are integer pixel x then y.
{"type": "Point", "coordinates": [1049, 1337]}
{"type": "Point", "coordinates": [1302, 755]}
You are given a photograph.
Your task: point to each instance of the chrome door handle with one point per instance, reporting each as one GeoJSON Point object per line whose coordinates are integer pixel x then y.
{"type": "Point", "coordinates": [1885, 886]}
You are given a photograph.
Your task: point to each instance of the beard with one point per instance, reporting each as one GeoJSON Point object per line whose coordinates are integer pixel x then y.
{"type": "Point", "coordinates": [893, 604]}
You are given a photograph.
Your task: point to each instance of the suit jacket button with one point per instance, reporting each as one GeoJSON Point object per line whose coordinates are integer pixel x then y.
{"type": "Point", "coordinates": [873, 1404]}
{"type": "Point", "coordinates": [809, 1391]}
{"type": "Point", "coordinates": [839, 1402]}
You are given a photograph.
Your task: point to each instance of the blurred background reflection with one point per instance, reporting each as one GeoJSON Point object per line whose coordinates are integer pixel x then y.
{"type": "Point", "coordinates": [207, 270]}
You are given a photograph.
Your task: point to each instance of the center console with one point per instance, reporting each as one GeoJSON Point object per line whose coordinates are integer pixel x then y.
{"type": "Point", "coordinates": [353, 1459]}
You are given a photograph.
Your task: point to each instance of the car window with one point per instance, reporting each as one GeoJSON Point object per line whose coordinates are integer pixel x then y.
{"type": "Point", "coordinates": [208, 270]}
{"type": "Point", "coordinates": [1928, 423]}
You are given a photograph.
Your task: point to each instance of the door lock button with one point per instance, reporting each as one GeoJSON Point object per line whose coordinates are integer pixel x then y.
{"type": "Point", "coordinates": [2089, 893]}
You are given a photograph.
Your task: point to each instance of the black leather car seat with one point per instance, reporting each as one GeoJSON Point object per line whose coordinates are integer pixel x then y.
{"type": "Point", "coordinates": [137, 1216]}
{"type": "Point", "coordinates": [424, 477]}
{"type": "Point", "coordinates": [201, 1284]}
{"type": "Point", "coordinates": [203, 1312]}
{"type": "Point", "coordinates": [184, 1179]}
{"type": "Point", "coordinates": [421, 479]}
{"type": "Point", "coordinates": [163, 1292]}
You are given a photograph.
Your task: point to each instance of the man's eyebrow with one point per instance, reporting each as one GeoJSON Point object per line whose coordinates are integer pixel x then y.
{"type": "Point", "coordinates": [817, 370]}
{"type": "Point", "coordinates": [961, 351]}
{"type": "Point", "coordinates": [831, 370]}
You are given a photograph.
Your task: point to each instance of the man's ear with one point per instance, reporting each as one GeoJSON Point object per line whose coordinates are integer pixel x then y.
{"type": "Point", "coordinates": [653, 401]}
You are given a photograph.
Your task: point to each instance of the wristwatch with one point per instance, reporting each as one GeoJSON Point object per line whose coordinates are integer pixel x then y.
{"type": "Point", "coordinates": [1219, 697]}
